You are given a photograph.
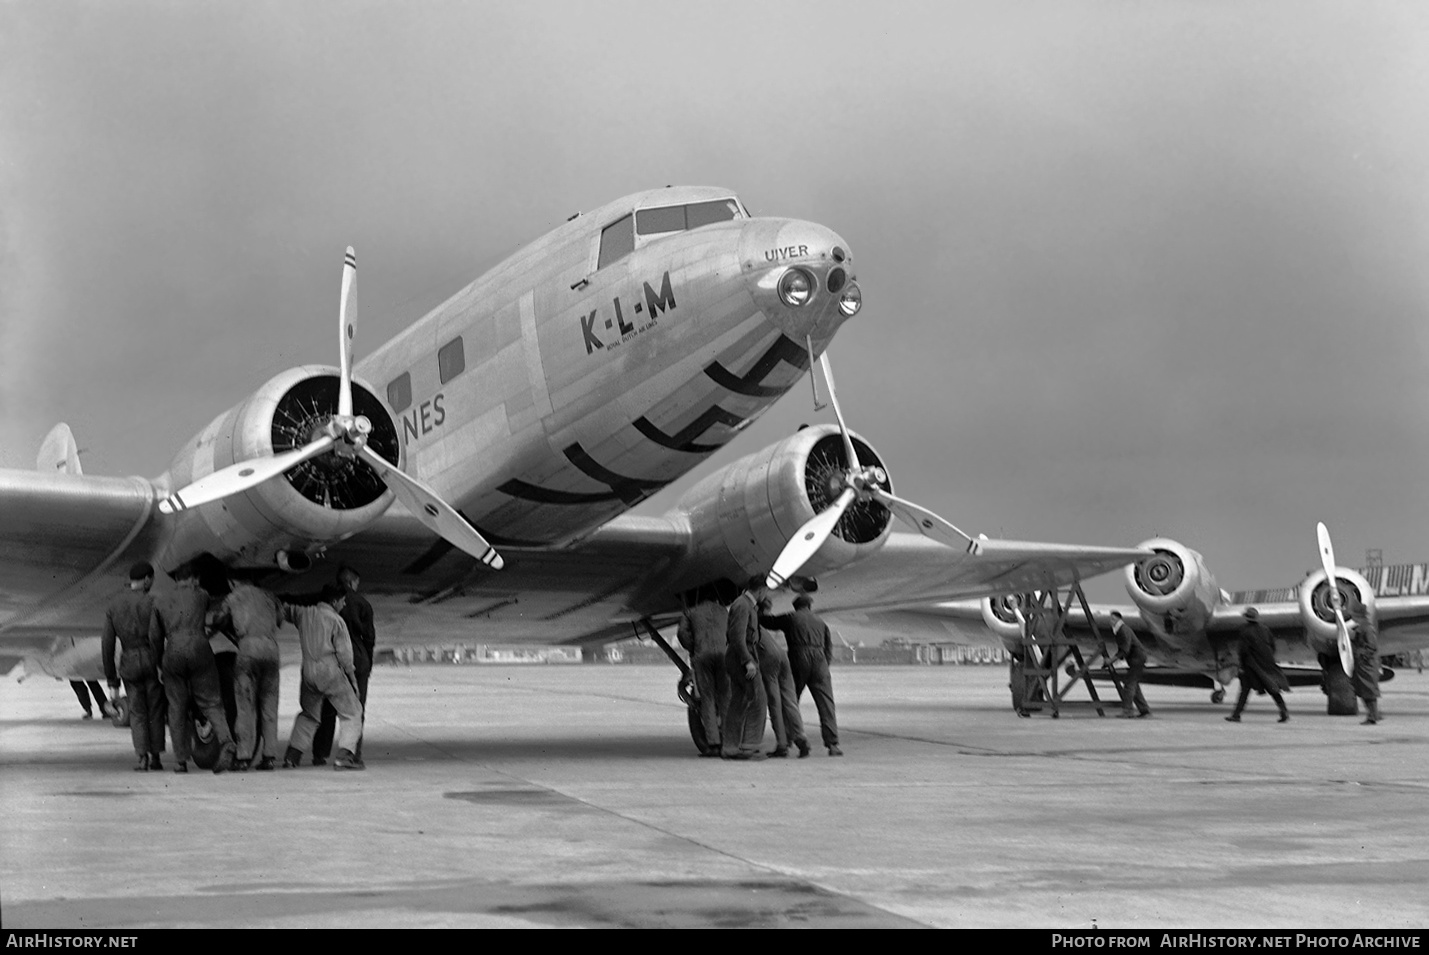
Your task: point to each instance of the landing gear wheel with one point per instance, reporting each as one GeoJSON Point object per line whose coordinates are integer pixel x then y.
{"type": "Point", "coordinates": [685, 689]}
{"type": "Point", "coordinates": [697, 728]}
{"type": "Point", "coordinates": [1339, 691]}
{"type": "Point", "coordinates": [1218, 696]}
{"type": "Point", "coordinates": [203, 744]}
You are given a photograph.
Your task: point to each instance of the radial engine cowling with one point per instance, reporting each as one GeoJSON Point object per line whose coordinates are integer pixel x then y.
{"type": "Point", "coordinates": [1172, 586]}
{"type": "Point", "coordinates": [743, 515]}
{"type": "Point", "coordinates": [1317, 612]}
{"type": "Point", "coordinates": [998, 613]}
{"type": "Point", "coordinates": [281, 520]}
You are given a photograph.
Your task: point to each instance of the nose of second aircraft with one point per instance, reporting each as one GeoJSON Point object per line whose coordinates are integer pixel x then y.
{"type": "Point", "coordinates": [801, 275]}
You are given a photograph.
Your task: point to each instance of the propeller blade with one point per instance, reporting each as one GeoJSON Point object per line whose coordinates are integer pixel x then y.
{"type": "Point", "coordinates": [930, 525]}
{"type": "Point", "coordinates": [809, 539]}
{"type": "Point", "coordinates": [1327, 558]}
{"type": "Point", "coordinates": [347, 321]}
{"type": "Point", "coordinates": [431, 510]}
{"type": "Point", "coordinates": [834, 400]}
{"type": "Point", "coordinates": [241, 476]}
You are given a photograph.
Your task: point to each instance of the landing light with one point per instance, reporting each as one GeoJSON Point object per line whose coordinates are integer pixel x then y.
{"type": "Point", "coordinates": [795, 287]}
{"type": "Point", "coordinates": [851, 301]}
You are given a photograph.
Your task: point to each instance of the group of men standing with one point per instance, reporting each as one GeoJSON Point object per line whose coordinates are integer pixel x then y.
{"type": "Point", "coordinates": [170, 672]}
{"type": "Point", "coordinates": [742, 674]}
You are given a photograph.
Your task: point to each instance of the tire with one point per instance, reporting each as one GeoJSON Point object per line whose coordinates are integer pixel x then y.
{"type": "Point", "coordinates": [697, 728]}
{"type": "Point", "coordinates": [1339, 690]}
{"type": "Point", "coordinates": [204, 750]}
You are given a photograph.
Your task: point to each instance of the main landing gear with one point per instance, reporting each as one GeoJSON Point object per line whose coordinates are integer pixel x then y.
{"type": "Point", "coordinates": [685, 689]}
{"type": "Point", "coordinates": [1218, 695]}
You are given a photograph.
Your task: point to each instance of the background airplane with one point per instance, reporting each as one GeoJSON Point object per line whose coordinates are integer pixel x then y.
{"type": "Point", "coordinates": [1189, 625]}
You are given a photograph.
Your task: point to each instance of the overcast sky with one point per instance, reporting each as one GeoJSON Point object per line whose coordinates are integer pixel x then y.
{"type": "Point", "coordinates": [1128, 269]}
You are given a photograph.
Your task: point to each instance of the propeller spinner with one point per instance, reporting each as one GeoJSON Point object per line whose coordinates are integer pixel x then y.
{"type": "Point", "coordinates": [344, 434]}
{"type": "Point", "coordinates": [862, 484]}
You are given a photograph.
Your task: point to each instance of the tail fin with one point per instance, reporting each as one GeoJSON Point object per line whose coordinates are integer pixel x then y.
{"type": "Point", "coordinates": [58, 452]}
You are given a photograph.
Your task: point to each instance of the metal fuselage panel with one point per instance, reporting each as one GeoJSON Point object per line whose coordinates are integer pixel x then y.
{"type": "Point", "coordinates": [586, 390]}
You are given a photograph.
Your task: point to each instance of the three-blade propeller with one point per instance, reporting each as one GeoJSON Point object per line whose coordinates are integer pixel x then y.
{"type": "Point", "coordinates": [1327, 558]}
{"type": "Point", "coordinates": [859, 483]}
{"type": "Point", "coordinates": [345, 434]}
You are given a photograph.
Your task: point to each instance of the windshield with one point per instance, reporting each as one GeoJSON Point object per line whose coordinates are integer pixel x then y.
{"type": "Point", "coordinates": [665, 219]}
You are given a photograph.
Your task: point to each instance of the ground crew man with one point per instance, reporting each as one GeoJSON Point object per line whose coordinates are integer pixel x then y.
{"type": "Point", "coordinates": [702, 633]}
{"type": "Point", "coordinates": [1129, 648]}
{"type": "Point", "coordinates": [357, 614]}
{"type": "Point", "coordinates": [327, 674]}
{"type": "Point", "coordinates": [252, 616]}
{"type": "Point", "coordinates": [213, 579]}
{"type": "Point", "coordinates": [186, 660]}
{"type": "Point", "coordinates": [1364, 640]}
{"type": "Point", "coordinates": [811, 650]}
{"type": "Point", "coordinates": [83, 689]}
{"type": "Point", "coordinates": [1258, 670]}
{"type": "Point", "coordinates": [779, 692]}
{"type": "Point", "coordinates": [744, 716]}
{"type": "Point", "coordinates": [126, 621]}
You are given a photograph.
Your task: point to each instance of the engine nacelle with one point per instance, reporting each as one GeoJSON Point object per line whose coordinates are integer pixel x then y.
{"type": "Point", "coordinates": [1318, 614]}
{"type": "Point", "coordinates": [999, 613]}
{"type": "Point", "coordinates": [323, 500]}
{"type": "Point", "coordinates": [1172, 582]}
{"type": "Point", "coordinates": [743, 515]}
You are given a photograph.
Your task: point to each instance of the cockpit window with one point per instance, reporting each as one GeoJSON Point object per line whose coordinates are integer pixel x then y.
{"type": "Point", "coordinates": [617, 240]}
{"type": "Point", "coordinates": [665, 219]}
{"type": "Point", "coordinates": [703, 213]}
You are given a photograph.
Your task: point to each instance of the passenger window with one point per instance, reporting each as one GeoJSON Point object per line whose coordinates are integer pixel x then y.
{"type": "Point", "coordinates": [617, 240]}
{"type": "Point", "coordinates": [451, 360]}
{"type": "Point", "coordinates": [703, 213]}
{"type": "Point", "coordinates": [657, 221]}
{"type": "Point", "coordinates": [399, 392]}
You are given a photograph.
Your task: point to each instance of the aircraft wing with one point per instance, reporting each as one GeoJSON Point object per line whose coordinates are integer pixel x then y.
{"type": "Point", "coordinates": [592, 590]}
{"type": "Point", "coordinates": [67, 538]}
{"type": "Point", "coordinates": [912, 571]}
{"type": "Point", "coordinates": [60, 533]}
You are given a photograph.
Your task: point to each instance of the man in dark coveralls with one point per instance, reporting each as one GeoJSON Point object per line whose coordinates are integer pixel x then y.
{"type": "Point", "coordinates": [811, 650]}
{"type": "Point", "coordinates": [1258, 670]}
{"type": "Point", "coordinates": [779, 691]}
{"type": "Point", "coordinates": [190, 674]}
{"type": "Point", "coordinates": [357, 614]}
{"type": "Point", "coordinates": [1130, 649]}
{"type": "Point", "coordinates": [252, 616]}
{"type": "Point", "coordinates": [702, 633]}
{"type": "Point", "coordinates": [1364, 640]}
{"type": "Point", "coordinates": [744, 716]}
{"type": "Point", "coordinates": [127, 621]}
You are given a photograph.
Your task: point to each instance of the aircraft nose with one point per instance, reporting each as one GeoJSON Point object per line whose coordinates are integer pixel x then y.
{"type": "Point", "coordinates": [801, 275]}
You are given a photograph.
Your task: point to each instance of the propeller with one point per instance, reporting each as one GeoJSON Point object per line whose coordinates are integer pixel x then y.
{"type": "Point", "coordinates": [1327, 558]}
{"type": "Point", "coordinates": [344, 434]}
{"type": "Point", "coordinates": [859, 483]}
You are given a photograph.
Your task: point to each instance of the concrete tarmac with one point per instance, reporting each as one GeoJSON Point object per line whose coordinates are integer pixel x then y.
{"type": "Point", "coordinates": [571, 796]}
